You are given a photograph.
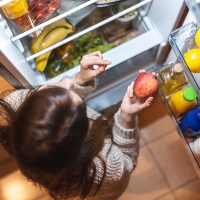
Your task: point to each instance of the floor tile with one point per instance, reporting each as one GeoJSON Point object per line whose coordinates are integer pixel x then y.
{"type": "Point", "coordinates": [173, 159]}
{"type": "Point", "coordinates": [15, 187]}
{"type": "Point", "coordinates": [3, 154]}
{"type": "Point", "coordinates": [7, 167]}
{"type": "Point", "coordinates": [4, 85]}
{"type": "Point", "coordinates": [167, 197]}
{"type": "Point", "coordinates": [45, 197]}
{"type": "Point", "coordinates": [189, 192]}
{"type": "Point", "coordinates": [146, 181]}
{"type": "Point", "coordinates": [155, 122]}
{"type": "Point", "coordinates": [142, 144]}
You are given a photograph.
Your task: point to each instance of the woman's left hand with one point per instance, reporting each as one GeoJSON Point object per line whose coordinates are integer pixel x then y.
{"type": "Point", "coordinates": [87, 71]}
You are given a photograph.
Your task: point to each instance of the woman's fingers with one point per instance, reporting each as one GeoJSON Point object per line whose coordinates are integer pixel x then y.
{"type": "Point", "coordinates": [96, 53]}
{"type": "Point", "coordinates": [91, 62]}
{"type": "Point", "coordinates": [141, 71]}
{"type": "Point", "coordinates": [148, 102]}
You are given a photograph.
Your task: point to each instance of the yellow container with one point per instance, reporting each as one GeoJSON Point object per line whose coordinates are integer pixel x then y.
{"type": "Point", "coordinates": [15, 9]}
{"type": "Point", "coordinates": [183, 101]}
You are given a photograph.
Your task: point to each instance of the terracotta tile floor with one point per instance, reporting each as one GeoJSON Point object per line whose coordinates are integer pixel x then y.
{"type": "Point", "coordinates": [164, 171]}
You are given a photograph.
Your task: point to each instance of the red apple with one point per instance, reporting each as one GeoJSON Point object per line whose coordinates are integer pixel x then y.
{"type": "Point", "coordinates": [146, 85]}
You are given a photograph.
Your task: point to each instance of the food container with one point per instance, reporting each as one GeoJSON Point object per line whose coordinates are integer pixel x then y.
{"type": "Point", "coordinates": [124, 18]}
{"type": "Point", "coordinates": [38, 12]}
{"type": "Point", "coordinates": [78, 16]}
{"type": "Point", "coordinates": [104, 3]}
{"type": "Point", "coordinates": [15, 9]}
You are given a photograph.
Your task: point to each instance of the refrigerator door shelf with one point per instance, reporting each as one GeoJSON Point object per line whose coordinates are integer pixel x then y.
{"type": "Point", "coordinates": [182, 40]}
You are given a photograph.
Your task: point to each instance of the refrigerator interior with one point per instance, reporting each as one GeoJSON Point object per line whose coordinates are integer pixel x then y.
{"type": "Point", "coordinates": [152, 33]}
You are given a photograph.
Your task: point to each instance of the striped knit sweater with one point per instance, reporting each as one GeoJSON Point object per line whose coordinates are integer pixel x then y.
{"type": "Point", "coordinates": [120, 156]}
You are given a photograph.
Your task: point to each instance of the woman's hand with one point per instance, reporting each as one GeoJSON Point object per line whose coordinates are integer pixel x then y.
{"type": "Point", "coordinates": [131, 106]}
{"type": "Point", "coordinates": [87, 71]}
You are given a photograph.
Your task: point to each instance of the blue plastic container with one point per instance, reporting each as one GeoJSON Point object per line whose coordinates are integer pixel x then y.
{"type": "Point", "coordinates": [190, 123]}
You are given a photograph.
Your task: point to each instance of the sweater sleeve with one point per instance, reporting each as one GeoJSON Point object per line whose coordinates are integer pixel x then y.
{"type": "Point", "coordinates": [16, 98]}
{"type": "Point", "coordinates": [120, 155]}
{"type": "Point", "coordinates": [84, 90]}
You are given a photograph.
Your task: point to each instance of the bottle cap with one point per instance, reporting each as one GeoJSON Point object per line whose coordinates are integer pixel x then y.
{"type": "Point", "coordinates": [178, 68]}
{"type": "Point", "coordinates": [189, 94]}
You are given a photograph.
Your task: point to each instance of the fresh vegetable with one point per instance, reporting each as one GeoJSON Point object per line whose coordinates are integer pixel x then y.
{"type": "Point", "coordinates": [69, 55]}
{"type": "Point", "coordinates": [86, 44]}
{"type": "Point", "coordinates": [64, 52]}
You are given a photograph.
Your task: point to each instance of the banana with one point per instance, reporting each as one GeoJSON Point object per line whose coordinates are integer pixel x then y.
{"type": "Point", "coordinates": [41, 61]}
{"type": "Point", "coordinates": [56, 35]}
{"type": "Point", "coordinates": [36, 42]}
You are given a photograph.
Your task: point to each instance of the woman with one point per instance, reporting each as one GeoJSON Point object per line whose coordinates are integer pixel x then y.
{"type": "Point", "coordinates": [59, 148]}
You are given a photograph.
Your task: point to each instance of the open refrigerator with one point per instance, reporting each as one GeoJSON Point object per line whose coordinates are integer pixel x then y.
{"type": "Point", "coordinates": [158, 26]}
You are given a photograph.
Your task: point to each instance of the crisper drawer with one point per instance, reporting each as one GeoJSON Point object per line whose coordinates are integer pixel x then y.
{"type": "Point", "coordinates": [182, 41]}
{"type": "Point", "coordinates": [20, 61]}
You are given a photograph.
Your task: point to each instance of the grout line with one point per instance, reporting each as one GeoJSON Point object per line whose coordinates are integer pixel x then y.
{"type": "Point", "coordinates": [184, 184]}
{"type": "Point", "coordinates": [159, 168]}
{"type": "Point", "coordinates": [163, 195]}
{"type": "Point", "coordinates": [158, 137]}
{"type": "Point", "coordinates": [172, 190]}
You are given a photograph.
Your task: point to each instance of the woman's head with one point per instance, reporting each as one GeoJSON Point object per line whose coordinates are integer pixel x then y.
{"type": "Point", "coordinates": [49, 129]}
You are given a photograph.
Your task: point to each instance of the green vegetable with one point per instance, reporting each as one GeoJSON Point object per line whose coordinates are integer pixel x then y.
{"type": "Point", "coordinates": [83, 45]}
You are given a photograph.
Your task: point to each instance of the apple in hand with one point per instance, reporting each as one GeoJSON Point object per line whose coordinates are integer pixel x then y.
{"type": "Point", "coordinates": [146, 85]}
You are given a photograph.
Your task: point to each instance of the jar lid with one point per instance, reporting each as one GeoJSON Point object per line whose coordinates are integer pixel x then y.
{"type": "Point", "coordinates": [178, 68]}
{"type": "Point", "coordinates": [190, 94]}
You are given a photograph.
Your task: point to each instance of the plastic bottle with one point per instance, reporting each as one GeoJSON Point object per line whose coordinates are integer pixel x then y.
{"type": "Point", "coordinates": [183, 101]}
{"type": "Point", "coordinates": [15, 9]}
{"type": "Point", "coordinates": [190, 123]}
{"type": "Point", "coordinates": [172, 79]}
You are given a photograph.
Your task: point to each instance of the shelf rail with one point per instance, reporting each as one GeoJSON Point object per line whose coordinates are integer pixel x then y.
{"type": "Point", "coordinates": [88, 29]}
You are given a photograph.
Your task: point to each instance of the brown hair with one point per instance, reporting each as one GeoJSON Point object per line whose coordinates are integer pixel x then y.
{"type": "Point", "coordinates": [53, 144]}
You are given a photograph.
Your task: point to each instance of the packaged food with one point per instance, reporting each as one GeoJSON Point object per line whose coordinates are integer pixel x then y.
{"type": "Point", "coordinates": [183, 101]}
{"type": "Point", "coordinates": [37, 12]}
{"type": "Point", "coordinates": [15, 9]}
{"type": "Point", "coordinates": [172, 78]}
{"type": "Point", "coordinates": [190, 123]}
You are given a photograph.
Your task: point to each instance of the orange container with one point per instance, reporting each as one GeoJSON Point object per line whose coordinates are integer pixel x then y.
{"type": "Point", "coordinates": [15, 9]}
{"type": "Point", "coordinates": [183, 101]}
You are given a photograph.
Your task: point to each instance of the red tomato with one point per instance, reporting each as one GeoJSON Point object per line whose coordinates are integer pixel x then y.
{"type": "Point", "coordinates": [41, 16]}
{"type": "Point", "coordinates": [40, 6]}
{"type": "Point", "coordinates": [19, 21]}
{"type": "Point", "coordinates": [51, 8]}
{"type": "Point", "coordinates": [56, 1]}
